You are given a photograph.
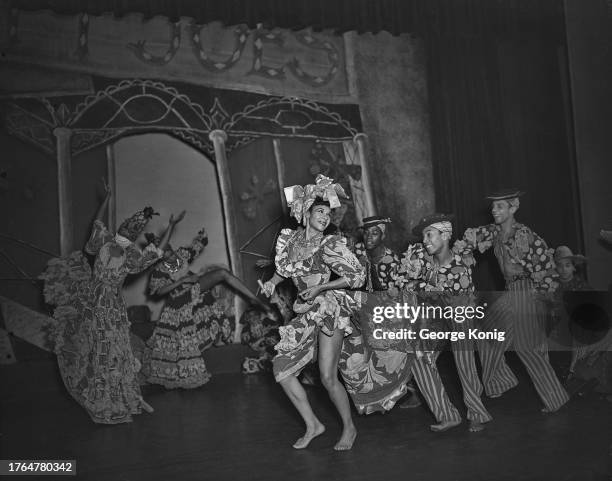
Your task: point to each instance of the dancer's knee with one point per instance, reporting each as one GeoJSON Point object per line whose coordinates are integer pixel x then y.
{"type": "Point", "coordinates": [329, 379]}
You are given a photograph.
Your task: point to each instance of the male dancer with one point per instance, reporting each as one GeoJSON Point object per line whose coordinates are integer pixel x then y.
{"type": "Point", "coordinates": [381, 263]}
{"type": "Point", "coordinates": [447, 273]}
{"type": "Point", "coordinates": [527, 266]}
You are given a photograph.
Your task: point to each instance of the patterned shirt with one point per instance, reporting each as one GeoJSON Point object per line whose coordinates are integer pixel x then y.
{"type": "Point", "coordinates": [524, 255]}
{"type": "Point", "coordinates": [380, 275]}
{"type": "Point", "coordinates": [454, 277]}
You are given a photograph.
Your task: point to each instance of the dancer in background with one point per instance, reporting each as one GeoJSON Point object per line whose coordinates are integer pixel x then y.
{"type": "Point", "coordinates": [92, 334]}
{"type": "Point", "coordinates": [381, 263]}
{"type": "Point", "coordinates": [591, 361]}
{"type": "Point", "coordinates": [190, 322]}
{"type": "Point", "coordinates": [527, 266]}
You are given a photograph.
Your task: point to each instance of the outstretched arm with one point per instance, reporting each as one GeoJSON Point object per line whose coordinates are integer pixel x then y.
{"type": "Point", "coordinates": [171, 225]}
{"type": "Point", "coordinates": [104, 206]}
{"type": "Point", "coordinates": [162, 291]}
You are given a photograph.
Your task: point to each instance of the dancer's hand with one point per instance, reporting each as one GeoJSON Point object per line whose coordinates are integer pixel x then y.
{"type": "Point", "coordinates": [310, 293]}
{"type": "Point", "coordinates": [470, 236]}
{"type": "Point", "coordinates": [262, 263]}
{"type": "Point", "coordinates": [393, 291]}
{"type": "Point", "coordinates": [107, 189]}
{"type": "Point", "coordinates": [267, 288]}
{"type": "Point", "coordinates": [175, 220]}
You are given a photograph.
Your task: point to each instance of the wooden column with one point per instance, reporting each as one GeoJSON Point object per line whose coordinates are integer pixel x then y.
{"type": "Point", "coordinates": [360, 140]}
{"type": "Point", "coordinates": [218, 138]}
{"type": "Point", "coordinates": [64, 189]}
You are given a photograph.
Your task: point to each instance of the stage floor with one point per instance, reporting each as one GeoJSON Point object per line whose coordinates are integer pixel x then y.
{"type": "Point", "coordinates": [242, 427]}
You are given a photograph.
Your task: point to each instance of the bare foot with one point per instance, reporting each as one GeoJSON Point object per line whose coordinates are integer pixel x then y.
{"type": "Point", "coordinates": [310, 434]}
{"type": "Point", "coordinates": [444, 426]}
{"type": "Point", "coordinates": [475, 426]}
{"type": "Point", "coordinates": [346, 440]}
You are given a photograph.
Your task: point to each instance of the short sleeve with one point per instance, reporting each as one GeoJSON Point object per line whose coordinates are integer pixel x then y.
{"type": "Point", "coordinates": [337, 256]}
{"type": "Point", "coordinates": [100, 235]}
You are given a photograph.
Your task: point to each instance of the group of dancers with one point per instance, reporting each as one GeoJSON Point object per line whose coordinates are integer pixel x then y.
{"type": "Point", "coordinates": [339, 285]}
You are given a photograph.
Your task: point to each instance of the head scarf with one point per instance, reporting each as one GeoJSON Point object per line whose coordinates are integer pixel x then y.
{"type": "Point", "coordinates": [443, 226]}
{"type": "Point", "coordinates": [300, 199]}
{"type": "Point", "coordinates": [131, 227]}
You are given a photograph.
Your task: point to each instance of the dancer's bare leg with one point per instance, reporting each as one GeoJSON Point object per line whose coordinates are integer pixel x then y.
{"type": "Point", "coordinates": [329, 356]}
{"type": "Point", "coordinates": [214, 276]}
{"type": "Point", "coordinates": [294, 390]}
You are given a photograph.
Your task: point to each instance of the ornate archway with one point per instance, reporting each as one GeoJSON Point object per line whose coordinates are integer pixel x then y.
{"type": "Point", "coordinates": [213, 121]}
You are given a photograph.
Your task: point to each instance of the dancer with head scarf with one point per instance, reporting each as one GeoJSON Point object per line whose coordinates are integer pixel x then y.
{"type": "Point", "coordinates": [92, 337]}
{"type": "Point", "coordinates": [444, 277]}
{"type": "Point", "coordinates": [375, 375]}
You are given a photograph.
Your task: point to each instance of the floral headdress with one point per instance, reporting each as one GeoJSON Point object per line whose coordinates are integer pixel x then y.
{"type": "Point", "coordinates": [300, 199]}
{"type": "Point", "coordinates": [133, 226]}
{"type": "Point", "coordinates": [188, 253]}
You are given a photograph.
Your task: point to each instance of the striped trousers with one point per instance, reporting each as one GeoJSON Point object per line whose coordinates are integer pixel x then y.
{"type": "Point", "coordinates": [430, 384]}
{"type": "Point", "coordinates": [517, 312]}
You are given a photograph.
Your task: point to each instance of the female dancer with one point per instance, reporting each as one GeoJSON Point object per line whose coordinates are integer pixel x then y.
{"type": "Point", "coordinates": [92, 333]}
{"type": "Point", "coordinates": [323, 309]}
{"type": "Point", "coordinates": [189, 322]}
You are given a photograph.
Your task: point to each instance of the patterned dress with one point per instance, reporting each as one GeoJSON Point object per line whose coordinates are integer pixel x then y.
{"type": "Point", "coordinates": [375, 372]}
{"type": "Point", "coordinates": [92, 337]}
{"type": "Point", "coordinates": [380, 275]}
{"type": "Point", "coordinates": [528, 268]}
{"type": "Point", "coordinates": [176, 342]}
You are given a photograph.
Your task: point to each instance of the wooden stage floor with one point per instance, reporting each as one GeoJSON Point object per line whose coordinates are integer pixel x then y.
{"type": "Point", "coordinates": [242, 427]}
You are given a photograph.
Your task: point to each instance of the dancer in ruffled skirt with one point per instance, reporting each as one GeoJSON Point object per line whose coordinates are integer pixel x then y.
{"type": "Point", "coordinates": [92, 338]}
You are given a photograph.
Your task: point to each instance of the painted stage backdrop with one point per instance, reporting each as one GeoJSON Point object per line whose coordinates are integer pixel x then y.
{"type": "Point", "coordinates": [285, 101]}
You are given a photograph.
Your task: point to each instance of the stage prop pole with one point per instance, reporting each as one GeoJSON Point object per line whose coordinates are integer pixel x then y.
{"type": "Point", "coordinates": [280, 173]}
{"type": "Point", "coordinates": [218, 138]}
{"type": "Point", "coordinates": [111, 173]}
{"type": "Point", "coordinates": [64, 189]}
{"type": "Point", "coordinates": [360, 140]}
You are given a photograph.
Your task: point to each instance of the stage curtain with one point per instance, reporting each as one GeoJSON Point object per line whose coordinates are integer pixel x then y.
{"type": "Point", "coordinates": [499, 118]}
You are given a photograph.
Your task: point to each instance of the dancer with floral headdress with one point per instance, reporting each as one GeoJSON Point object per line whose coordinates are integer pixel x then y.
{"type": "Point", "coordinates": [322, 327]}
{"type": "Point", "coordinates": [92, 338]}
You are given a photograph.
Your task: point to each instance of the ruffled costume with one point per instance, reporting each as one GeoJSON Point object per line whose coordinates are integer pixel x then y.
{"type": "Point", "coordinates": [92, 337]}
